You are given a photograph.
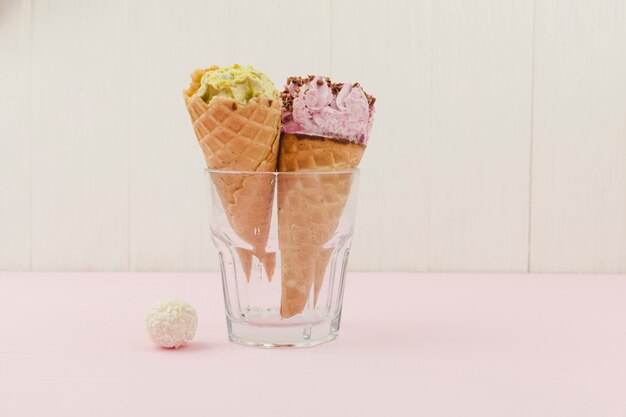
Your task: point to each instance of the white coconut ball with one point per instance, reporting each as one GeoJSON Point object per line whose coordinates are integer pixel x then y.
{"type": "Point", "coordinates": [171, 323]}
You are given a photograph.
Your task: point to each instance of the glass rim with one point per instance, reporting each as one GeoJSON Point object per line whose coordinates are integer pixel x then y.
{"type": "Point", "coordinates": [228, 172]}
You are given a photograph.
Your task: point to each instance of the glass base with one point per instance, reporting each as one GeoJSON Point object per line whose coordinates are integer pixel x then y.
{"type": "Point", "coordinates": [266, 330]}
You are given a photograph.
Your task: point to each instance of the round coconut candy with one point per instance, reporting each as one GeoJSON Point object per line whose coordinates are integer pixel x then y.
{"type": "Point", "coordinates": [171, 323]}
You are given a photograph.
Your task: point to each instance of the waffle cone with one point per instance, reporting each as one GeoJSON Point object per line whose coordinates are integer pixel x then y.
{"type": "Point", "coordinates": [236, 137]}
{"type": "Point", "coordinates": [309, 209]}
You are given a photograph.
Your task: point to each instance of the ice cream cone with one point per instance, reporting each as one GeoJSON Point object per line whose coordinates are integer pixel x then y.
{"type": "Point", "coordinates": [309, 209]}
{"type": "Point", "coordinates": [240, 137]}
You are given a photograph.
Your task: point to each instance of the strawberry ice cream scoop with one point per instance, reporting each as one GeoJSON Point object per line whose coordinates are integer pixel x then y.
{"type": "Point", "coordinates": [315, 105]}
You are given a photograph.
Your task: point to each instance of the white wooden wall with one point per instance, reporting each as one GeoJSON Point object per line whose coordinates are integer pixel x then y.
{"type": "Point", "coordinates": [499, 142]}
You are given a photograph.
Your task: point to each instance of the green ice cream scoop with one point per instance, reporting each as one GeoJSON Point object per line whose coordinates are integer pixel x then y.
{"type": "Point", "coordinates": [238, 83]}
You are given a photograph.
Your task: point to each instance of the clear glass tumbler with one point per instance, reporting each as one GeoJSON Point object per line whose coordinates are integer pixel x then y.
{"type": "Point", "coordinates": [283, 240]}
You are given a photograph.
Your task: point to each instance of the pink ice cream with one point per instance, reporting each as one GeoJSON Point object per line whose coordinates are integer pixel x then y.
{"type": "Point", "coordinates": [316, 106]}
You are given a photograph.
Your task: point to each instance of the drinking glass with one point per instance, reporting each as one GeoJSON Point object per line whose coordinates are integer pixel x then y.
{"type": "Point", "coordinates": [283, 241]}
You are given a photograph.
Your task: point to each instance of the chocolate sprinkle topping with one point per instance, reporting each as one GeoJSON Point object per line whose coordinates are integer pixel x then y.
{"type": "Point", "coordinates": [287, 100]}
{"type": "Point", "coordinates": [336, 88]}
{"type": "Point", "coordinates": [298, 82]}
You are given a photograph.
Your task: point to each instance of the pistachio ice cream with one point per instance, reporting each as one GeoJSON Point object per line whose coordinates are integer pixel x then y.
{"type": "Point", "coordinates": [235, 82]}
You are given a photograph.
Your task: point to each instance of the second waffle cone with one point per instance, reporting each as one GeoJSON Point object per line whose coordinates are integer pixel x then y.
{"type": "Point", "coordinates": [309, 210]}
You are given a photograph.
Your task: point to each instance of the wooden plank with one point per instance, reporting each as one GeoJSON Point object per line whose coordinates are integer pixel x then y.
{"type": "Point", "coordinates": [579, 137]}
{"type": "Point", "coordinates": [481, 126]}
{"type": "Point", "coordinates": [276, 41]}
{"type": "Point", "coordinates": [386, 47]}
{"type": "Point", "coordinates": [79, 135]}
{"type": "Point", "coordinates": [15, 241]}
{"type": "Point", "coordinates": [169, 215]}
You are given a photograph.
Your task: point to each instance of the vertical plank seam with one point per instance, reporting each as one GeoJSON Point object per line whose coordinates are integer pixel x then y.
{"type": "Point", "coordinates": [530, 157]}
{"type": "Point", "coordinates": [29, 132]}
{"type": "Point", "coordinates": [129, 138]}
{"type": "Point", "coordinates": [430, 138]}
{"type": "Point", "coordinates": [330, 37]}
{"type": "Point", "coordinates": [229, 19]}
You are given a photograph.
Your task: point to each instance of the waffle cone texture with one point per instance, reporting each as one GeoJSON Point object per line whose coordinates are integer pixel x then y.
{"type": "Point", "coordinates": [241, 137]}
{"type": "Point", "coordinates": [309, 210]}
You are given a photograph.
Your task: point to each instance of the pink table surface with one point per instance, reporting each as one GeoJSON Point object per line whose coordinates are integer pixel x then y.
{"type": "Point", "coordinates": [73, 344]}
